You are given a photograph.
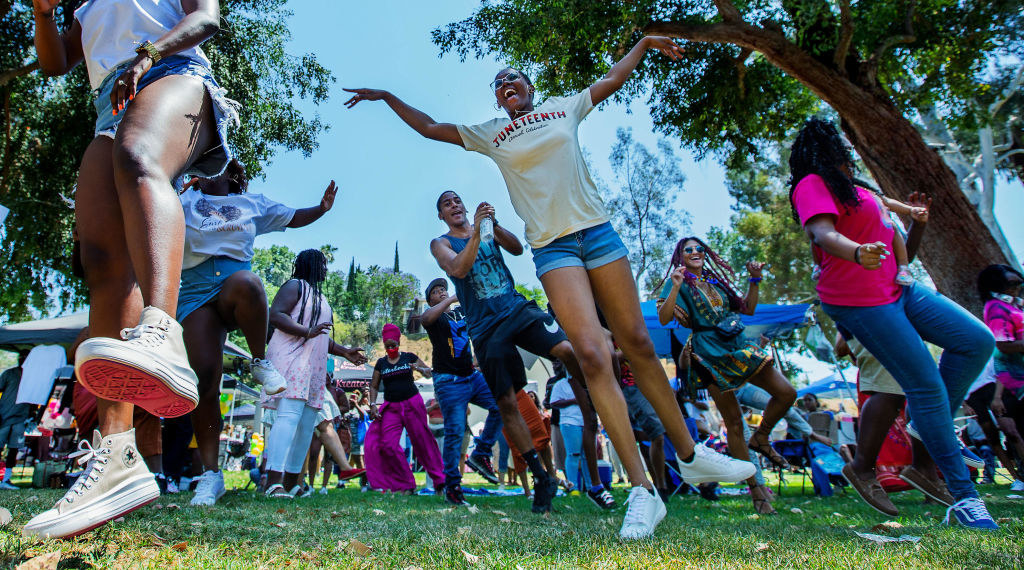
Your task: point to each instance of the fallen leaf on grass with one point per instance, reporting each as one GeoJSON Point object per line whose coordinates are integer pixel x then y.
{"type": "Point", "coordinates": [32, 499]}
{"type": "Point", "coordinates": [172, 506]}
{"type": "Point", "coordinates": [761, 547]}
{"type": "Point", "coordinates": [336, 514]}
{"type": "Point", "coordinates": [500, 513]}
{"type": "Point", "coordinates": [282, 511]}
{"type": "Point", "coordinates": [879, 539]}
{"type": "Point", "coordinates": [180, 547]}
{"type": "Point", "coordinates": [471, 558]}
{"type": "Point", "coordinates": [280, 524]}
{"type": "Point", "coordinates": [463, 530]}
{"type": "Point", "coordinates": [473, 509]}
{"type": "Point", "coordinates": [1004, 520]}
{"type": "Point", "coordinates": [379, 512]}
{"type": "Point", "coordinates": [5, 516]}
{"type": "Point", "coordinates": [119, 520]}
{"type": "Point", "coordinates": [754, 516]}
{"type": "Point", "coordinates": [197, 524]}
{"type": "Point", "coordinates": [886, 526]}
{"type": "Point", "coordinates": [504, 520]}
{"type": "Point", "coordinates": [837, 515]}
{"type": "Point", "coordinates": [356, 547]}
{"type": "Point", "coordinates": [157, 506]}
{"type": "Point", "coordinates": [796, 511]}
{"type": "Point", "coordinates": [46, 561]}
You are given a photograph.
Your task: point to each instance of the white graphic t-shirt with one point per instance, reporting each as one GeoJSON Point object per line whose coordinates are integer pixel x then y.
{"type": "Point", "coordinates": [539, 156]}
{"type": "Point", "coordinates": [228, 225]}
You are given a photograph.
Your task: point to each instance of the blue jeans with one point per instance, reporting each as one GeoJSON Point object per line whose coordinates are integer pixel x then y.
{"type": "Point", "coordinates": [572, 435]}
{"type": "Point", "coordinates": [895, 334]}
{"type": "Point", "coordinates": [454, 394]}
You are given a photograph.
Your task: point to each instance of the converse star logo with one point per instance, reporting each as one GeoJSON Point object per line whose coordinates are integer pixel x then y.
{"type": "Point", "coordinates": [551, 327]}
{"type": "Point", "coordinates": [130, 457]}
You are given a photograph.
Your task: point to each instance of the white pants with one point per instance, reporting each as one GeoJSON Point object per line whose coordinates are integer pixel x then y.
{"type": "Point", "coordinates": [290, 436]}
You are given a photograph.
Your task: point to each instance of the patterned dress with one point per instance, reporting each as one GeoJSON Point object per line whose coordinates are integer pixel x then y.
{"type": "Point", "coordinates": [302, 362]}
{"type": "Point", "coordinates": [728, 361]}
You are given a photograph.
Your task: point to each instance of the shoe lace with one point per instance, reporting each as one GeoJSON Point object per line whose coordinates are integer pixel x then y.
{"type": "Point", "coordinates": [713, 456]}
{"type": "Point", "coordinates": [204, 486]}
{"type": "Point", "coordinates": [94, 460]}
{"type": "Point", "coordinates": [635, 502]}
{"type": "Point", "coordinates": [147, 335]}
{"type": "Point", "coordinates": [973, 507]}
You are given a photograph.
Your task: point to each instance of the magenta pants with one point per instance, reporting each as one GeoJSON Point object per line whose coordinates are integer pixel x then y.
{"type": "Point", "coordinates": [386, 466]}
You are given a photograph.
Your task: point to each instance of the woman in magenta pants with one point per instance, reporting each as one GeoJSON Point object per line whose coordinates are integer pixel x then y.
{"type": "Point", "coordinates": [386, 465]}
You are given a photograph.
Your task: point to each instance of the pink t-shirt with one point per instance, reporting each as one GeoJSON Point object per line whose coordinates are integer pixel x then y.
{"type": "Point", "coordinates": [1007, 324]}
{"type": "Point", "coordinates": [844, 282]}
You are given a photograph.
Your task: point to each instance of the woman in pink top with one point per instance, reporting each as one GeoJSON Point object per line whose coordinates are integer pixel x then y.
{"type": "Point", "coordinates": [857, 288]}
{"type": "Point", "coordinates": [1000, 288]}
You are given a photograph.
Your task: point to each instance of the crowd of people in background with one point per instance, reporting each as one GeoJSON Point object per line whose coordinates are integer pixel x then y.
{"type": "Point", "coordinates": [168, 268]}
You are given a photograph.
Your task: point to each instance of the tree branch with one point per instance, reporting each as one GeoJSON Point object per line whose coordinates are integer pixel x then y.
{"type": "Point", "coordinates": [1012, 88]}
{"type": "Point", "coordinates": [11, 74]}
{"type": "Point", "coordinates": [905, 38]}
{"type": "Point", "coordinates": [728, 11]}
{"type": "Point", "coordinates": [845, 35]}
{"type": "Point", "coordinates": [1006, 155]}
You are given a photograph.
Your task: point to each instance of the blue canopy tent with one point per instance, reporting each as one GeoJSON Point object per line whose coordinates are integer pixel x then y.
{"type": "Point", "coordinates": [769, 320]}
{"type": "Point", "coordinates": [832, 386]}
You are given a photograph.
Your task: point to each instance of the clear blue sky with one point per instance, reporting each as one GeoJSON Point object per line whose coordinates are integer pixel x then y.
{"type": "Point", "coordinates": [389, 177]}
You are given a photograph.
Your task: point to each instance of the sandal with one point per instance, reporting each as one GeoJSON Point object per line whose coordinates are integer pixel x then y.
{"type": "Point", "coordinates": [768, 452]}
{"type": "Point", "coordinates": [277, 491]}
{"type": "Point", "coordinates": [762, 505]}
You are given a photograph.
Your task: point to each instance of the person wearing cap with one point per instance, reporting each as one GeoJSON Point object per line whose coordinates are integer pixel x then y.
{"type": "Point", "coordinates": [386, 465]}
{"type": "Point", "coordinates": [456, 384]}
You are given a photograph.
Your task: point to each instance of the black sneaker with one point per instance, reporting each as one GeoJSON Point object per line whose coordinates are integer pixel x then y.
{"type": "Point", "coordinates": [453, 495]}
{"type": "Point", "coordinates": [602, 498]}
{"type": "Point", "coordinates": [664, 494]}
{"type": "Point", "coordinates": [482, 465]}
{"type": "Point", "coordinates": [707, 491]}
{"type": "Point", "coordinates": [543, 492]}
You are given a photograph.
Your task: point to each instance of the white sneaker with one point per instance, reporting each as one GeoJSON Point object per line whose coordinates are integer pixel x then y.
{"type": "Point", "coordinates": [149, 368]}
{"type": "Point", "coordinates": [114, 483]}
{"type": "Point", "coordinates": [209, 488]}
{"type": "Point", "coordinates": [172, 487]}
{"type": "Point", "coordinates": [265, 373]}
{"type": "Point", "coordinates": [644, 511]}
{"type": "Point", "coordinates": [323, 490]}
{"type": "Point", "coordinates": [1017, 485]}
{"type": "Point", "coordinates": [709, 466]}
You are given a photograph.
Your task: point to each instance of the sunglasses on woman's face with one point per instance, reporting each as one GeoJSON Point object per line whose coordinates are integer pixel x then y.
{"type": "Point", "coordinates": [693, 249]}
{"type": "Point", "coordinates": [503, 80]}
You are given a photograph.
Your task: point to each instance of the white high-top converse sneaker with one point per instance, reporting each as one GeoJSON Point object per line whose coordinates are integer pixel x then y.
{"type": "Point", "coordinates": [149, 368]}
{"type": "Point", "coordinates": [114, 483]}
{"type": "Point", "coordinates": [265, 373]}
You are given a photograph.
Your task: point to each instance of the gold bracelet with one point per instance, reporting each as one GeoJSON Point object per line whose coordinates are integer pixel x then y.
{"type": "Point", "coordinates": [149, 50]}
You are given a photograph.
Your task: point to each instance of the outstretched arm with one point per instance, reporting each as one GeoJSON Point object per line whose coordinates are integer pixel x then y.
{"type": "Point", "coordinates": [755, 269]}
{"type": "Point", "coordinates": [418, 120]}
{"type": "Point", "coordinates": [431, 315]}
{"type": "Point", "coordinates": [620, 72]}
{"type": "Point", "coordinates": [306, 216]}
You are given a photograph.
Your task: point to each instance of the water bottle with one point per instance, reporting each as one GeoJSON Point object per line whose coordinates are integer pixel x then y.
{"type": "Point", "coordinates": [487, 229]}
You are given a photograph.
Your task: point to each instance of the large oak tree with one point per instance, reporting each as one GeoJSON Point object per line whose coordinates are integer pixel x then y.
{"type": "Point", "coordinates": [757, 69]}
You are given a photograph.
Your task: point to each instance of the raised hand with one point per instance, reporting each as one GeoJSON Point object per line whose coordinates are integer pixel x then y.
{"type": "Point", "coordinates": [920, 204]}
{"type": "Point", "coordinates": [666, 46]}
{"type": "Point", "coordinates": [327, 202]}
{"type": "Point", "coordinates": [755, 268]}
{"type": "Point", "coordinates": [677, 275]}
{"type": "Point", "coordinates": [364, 95]}
{"type": "Point", "coordinates": [870, 255]}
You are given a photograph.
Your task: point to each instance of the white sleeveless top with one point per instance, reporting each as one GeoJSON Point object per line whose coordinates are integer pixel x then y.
{"type": "Point", "coordinates": [113, 29]}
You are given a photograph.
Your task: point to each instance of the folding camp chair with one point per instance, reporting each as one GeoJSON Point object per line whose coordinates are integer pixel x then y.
{"type": "Point", "coordinates": [798, 454]}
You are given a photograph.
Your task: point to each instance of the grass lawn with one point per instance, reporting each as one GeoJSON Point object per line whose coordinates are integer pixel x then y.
{"type": "Point", "coordinates": [247, 531]}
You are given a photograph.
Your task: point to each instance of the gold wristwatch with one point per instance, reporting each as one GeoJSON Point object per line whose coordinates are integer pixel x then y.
{"type": "Point", "coordinates": [148, 49]}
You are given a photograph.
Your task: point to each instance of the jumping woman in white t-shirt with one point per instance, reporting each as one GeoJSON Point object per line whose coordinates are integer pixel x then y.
{"type": "Point", "coordinates": [220, 293]}
{"type": "Point", "coordinates": [580, 258]}
{"type": "Point", "coordinates": [160, 115]}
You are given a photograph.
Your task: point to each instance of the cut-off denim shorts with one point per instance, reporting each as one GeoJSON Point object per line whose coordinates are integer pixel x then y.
{"type": "Point", "coordinates": [202, 283]}
{"type": "Point", "coordinates": [588, 248]}
{"type": "Point", "coordinates": [225, 111]}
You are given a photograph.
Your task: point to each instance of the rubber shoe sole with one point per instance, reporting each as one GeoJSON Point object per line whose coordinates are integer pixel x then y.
{"type": "Point", "coordinates": [864, 495]}
{"type": "Point", "coordinates": [129, 496]}
{"type": "Point", "coordinates": [120, 381]}
{"type": "Point", "coordinates": [481, 471]}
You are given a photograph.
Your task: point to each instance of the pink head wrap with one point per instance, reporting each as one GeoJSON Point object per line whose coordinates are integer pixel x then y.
{"type": "Point", "coordinates": [391, 332]}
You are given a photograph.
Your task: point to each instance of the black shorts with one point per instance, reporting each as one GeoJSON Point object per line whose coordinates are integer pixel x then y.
{"type": "Point", "coordinates": [528, 328]}
{"type": "Point", "coordinates": [981, 400]}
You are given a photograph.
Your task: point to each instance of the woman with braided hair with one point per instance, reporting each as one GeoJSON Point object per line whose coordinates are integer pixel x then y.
{"type": "Point", "coordinates": [299, 348]}
{"type": "Point", "coordinates": [707, 301]}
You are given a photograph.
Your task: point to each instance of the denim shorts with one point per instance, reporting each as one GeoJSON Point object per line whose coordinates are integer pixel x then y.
{"type": "Point", "coordinates": [201, 284]}
{"type": "Point", "coordinates": [225, 111]}
{"type": "Point", "coordinates": [589, 248]}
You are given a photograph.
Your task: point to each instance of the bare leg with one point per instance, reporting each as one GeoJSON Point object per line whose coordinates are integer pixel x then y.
{"type": "Point", "coordinates": [782, 397]}
{"type": "Point", "coordinates": [242, 303]}
{"type": "Point", "coordinates": [568, 290]}
{"type": "Point", "coordinates": [205, 332]}
{"type": "Point", "coordinates": [733, 418]}
{"type": "Point", "coordinates": [332, 443]}
{"type": "Point", "coordinates": [617, 296]}
{"type": "Point", "coordinates": [876, 417]}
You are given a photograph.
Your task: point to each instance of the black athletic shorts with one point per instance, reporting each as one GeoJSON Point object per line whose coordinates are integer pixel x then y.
{"type": "Point", "coordinates": [496, 350]}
